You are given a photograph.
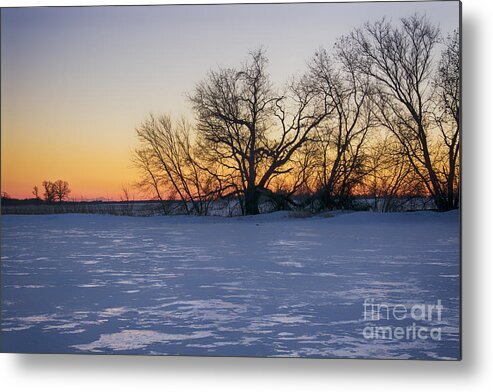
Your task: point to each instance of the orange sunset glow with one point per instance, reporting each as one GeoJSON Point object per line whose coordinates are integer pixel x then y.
{"type": "Point", "coordinates": [94, 170]}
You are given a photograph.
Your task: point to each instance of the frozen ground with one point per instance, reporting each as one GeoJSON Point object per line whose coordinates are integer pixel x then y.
{"type": "Point", "coordinates": [255, 286]}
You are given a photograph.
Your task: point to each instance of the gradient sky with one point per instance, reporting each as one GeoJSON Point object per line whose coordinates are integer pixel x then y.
{"type": "Point", "coordinates": [75, 82]}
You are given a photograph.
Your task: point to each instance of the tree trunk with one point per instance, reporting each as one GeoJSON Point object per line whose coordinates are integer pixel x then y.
{"type": "Point", "coordinates": [327, 198]}
{"type": "Point", "coordinates": [251, 202]}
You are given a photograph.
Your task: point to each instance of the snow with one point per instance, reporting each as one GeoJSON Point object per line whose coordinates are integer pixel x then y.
{"type": "Point", "coordinates": [268, 285]}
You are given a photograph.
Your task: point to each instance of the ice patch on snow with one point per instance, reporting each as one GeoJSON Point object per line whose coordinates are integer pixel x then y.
{"type": "Point", "coordinates": [135, 339]}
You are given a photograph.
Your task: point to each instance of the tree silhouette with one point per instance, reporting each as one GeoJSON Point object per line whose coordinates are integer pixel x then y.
{"type": "Point", "coordinates": [56, 191]}
{"type": "Point", "coordinates": [36, 192]}
{"type": "Point", "coordinates": [169, 163]}
{"type": "Point", "coordinates": [379, 116]}
{"type": "Point", "coordinates": [340, 138]}
{"type": "Point", "coordinates": [400, 62]}
{"type": "Point", "coordinates": [249, 130]}
{"type": "Point", "coordinates": [447, 116]}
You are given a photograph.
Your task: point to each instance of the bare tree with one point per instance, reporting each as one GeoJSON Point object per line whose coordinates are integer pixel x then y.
{"type": "Point", "coordinates": [400, 61]}
{"type": "Point", "coordinates": [126, 198]}
{"type": "Point", "coordinates": [150, 183]}
{"type": "Point", "coordinates": [49, 191]}
{"type": "Point", "coordinates": [61, 190]}
{"type": "Point", "coordinates": [56, 191]}
{"type": "Point", "coordinates": [447, 116]}
{"type": "Point", "coordinates": [251, 132]}
{"type": "Point", "coordinates": [36, 192]}
{"type": "Point", "coordinates": [171, 167]}
{"type": "Point", "coordinates": [341, 137]}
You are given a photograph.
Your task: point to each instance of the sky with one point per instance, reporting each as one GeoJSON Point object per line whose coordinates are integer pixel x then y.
{"type": "Point", "coordinates": [77, 81]}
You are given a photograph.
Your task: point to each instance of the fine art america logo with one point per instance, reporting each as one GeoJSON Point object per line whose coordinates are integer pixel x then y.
{"type": "Point", "coordinates": [411, 320]}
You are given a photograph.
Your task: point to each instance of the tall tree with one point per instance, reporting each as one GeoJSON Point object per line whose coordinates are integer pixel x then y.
{"type": "Point", "coordinates": [400, 60]}
{"type": "Point", "coordinates": [447, 116]}
{"type": "Point", "coordinates": [341, 136]}
{"type": "Point", "coordinates": [251, 131]}
{"type": "Point", "coordinates": [170, 164]}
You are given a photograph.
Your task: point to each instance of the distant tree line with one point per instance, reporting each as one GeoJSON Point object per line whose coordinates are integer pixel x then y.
{"type": "Point", "coordinates": [379, 115]}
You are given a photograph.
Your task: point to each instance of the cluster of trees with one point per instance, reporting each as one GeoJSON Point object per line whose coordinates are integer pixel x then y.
{"type": "Point", "coordinates": [56, 191]}
{"type": "Point", "coordinates": [379, 116]}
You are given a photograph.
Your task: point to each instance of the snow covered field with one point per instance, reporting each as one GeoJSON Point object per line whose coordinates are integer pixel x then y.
{"type": "Point", "coordinates": [253, 286]}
